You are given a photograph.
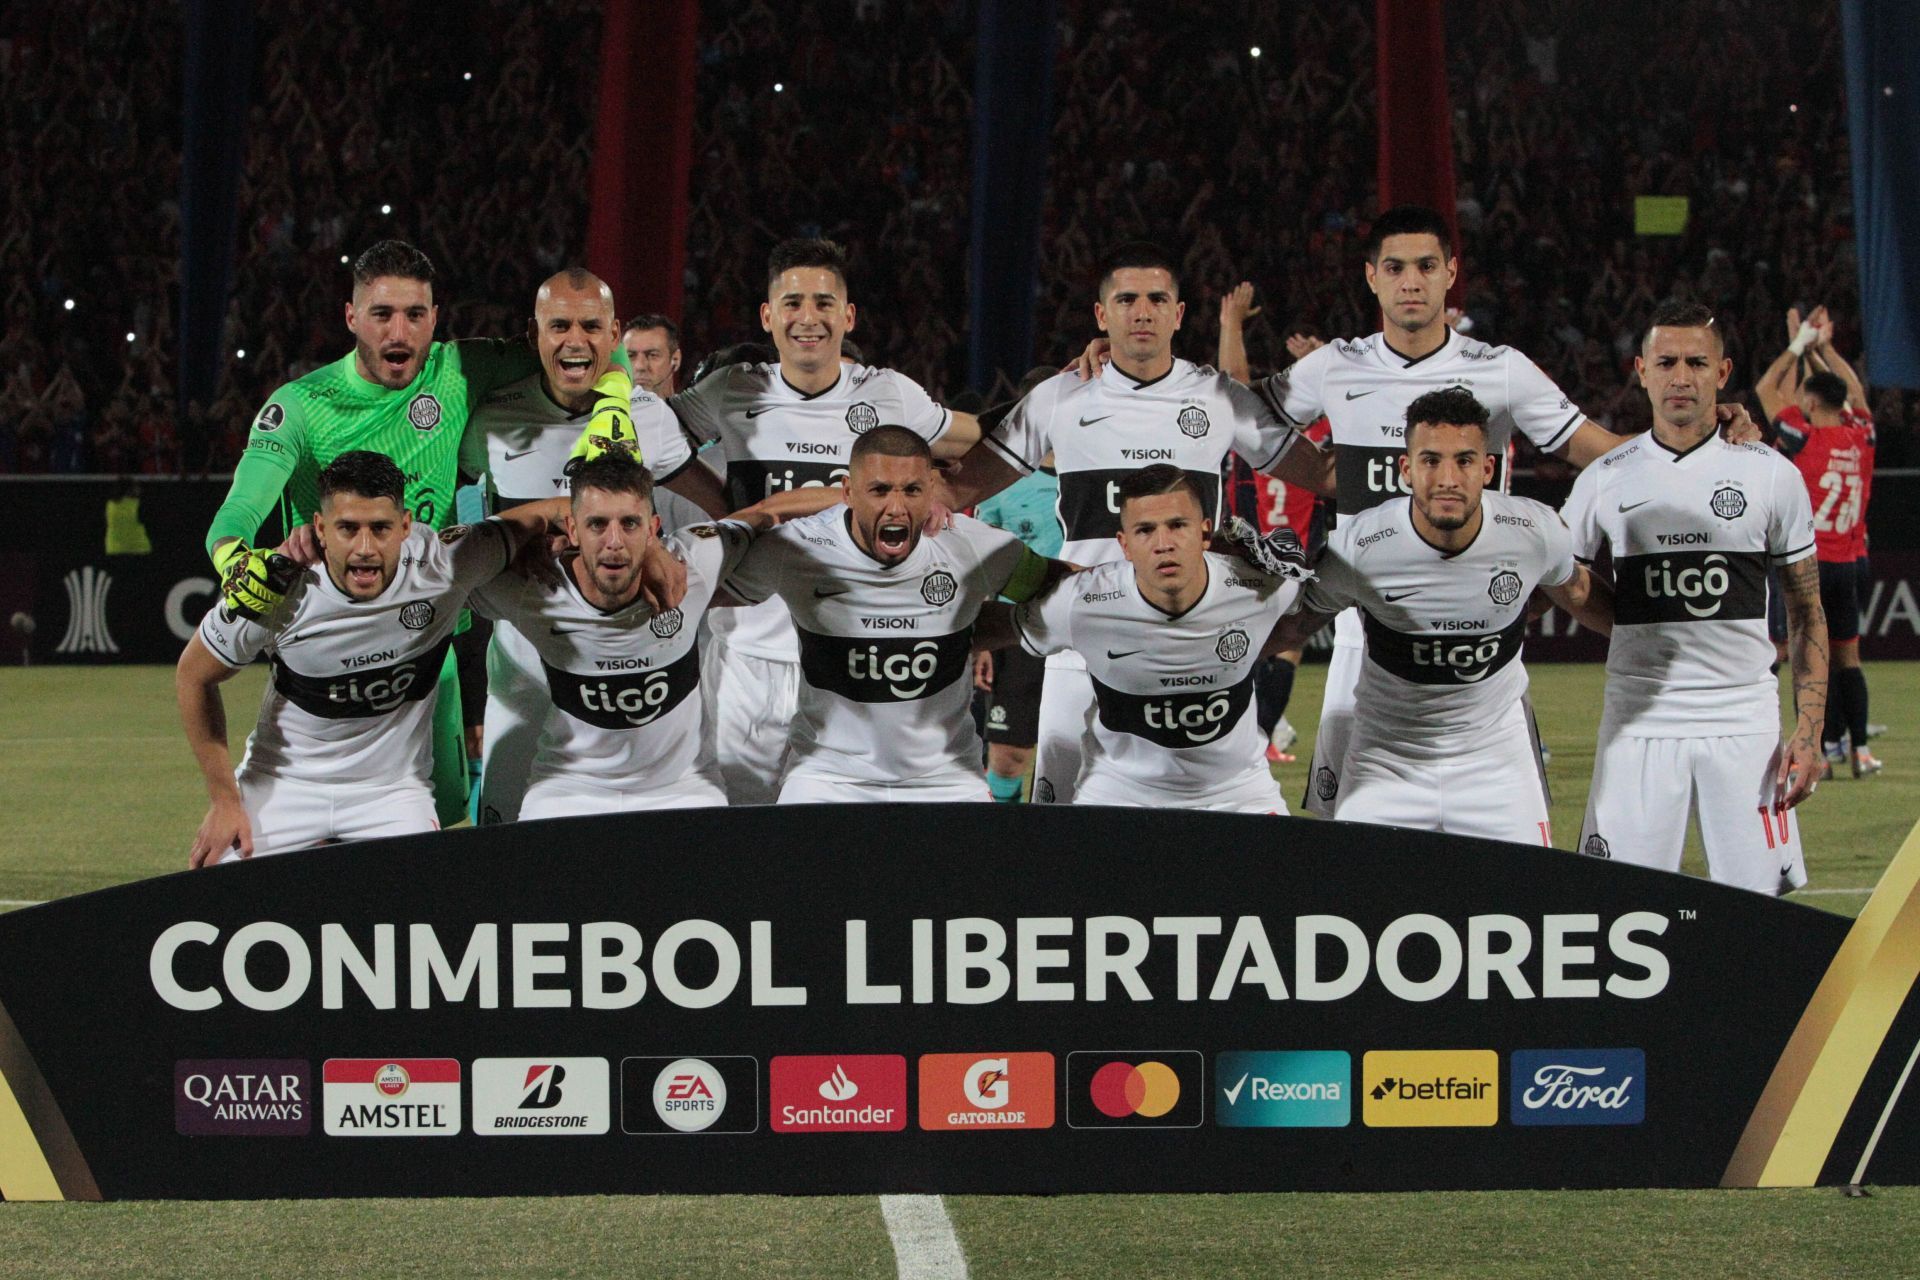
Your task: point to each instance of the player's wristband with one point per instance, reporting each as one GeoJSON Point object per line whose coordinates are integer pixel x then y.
{"type": "Point", "coordinates": [1803, 339]}
{"type": "Point", "coordinates": [1027, 578]}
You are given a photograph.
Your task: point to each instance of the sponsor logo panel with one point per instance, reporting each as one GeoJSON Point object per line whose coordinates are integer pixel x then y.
{"type": "Point", "coordinates": [1430, 1088]}
{"type": "Point", "coordinates": [388, 1097]}
{"type": "Point", "coordinates": [838, 1093]}
{"type": "Point", "coordinates": [986, 1091]}
{"type": "Point", "coordinates": [535, 1097]}
{"type": "Point", "coordinates": [249, 1097]}
{"type": "Point", "coordinates": [714, 1094]}
{"type": "Point", "coordinates": [1579, 1086]}
{"type": "Point", "coordinates": [1144, 1089]}
{"type": "Point", "coordinates": [1283, 1089]}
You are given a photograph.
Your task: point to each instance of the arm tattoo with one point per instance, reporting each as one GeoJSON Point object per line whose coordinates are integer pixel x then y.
{"type": "Point", "coordinates": [1806, 643]}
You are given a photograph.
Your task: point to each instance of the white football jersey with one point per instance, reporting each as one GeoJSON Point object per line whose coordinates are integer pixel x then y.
{"type": "Point", "coordinates": [775, 438]}
{"type": "Point", "coordinates": [1691, 535]}
{"type": "Point", "coordinates": [1444, 630]}
{"type": "Point", "coordinates": [1103, 429]}
{"type": "Point", "coordinates": [625, 685]}
{"type": "Point", "coordinates": [1174, 694]}
{"type": "Point", "coordinates": [351, 699]}
{"type": "Point", "coordinates": [886, 678]}
{"type": "Point", "coordinates": [521, 440]}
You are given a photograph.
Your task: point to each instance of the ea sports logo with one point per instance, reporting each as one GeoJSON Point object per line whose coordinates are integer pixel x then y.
{"type": "Point", "coordinates": [938, 587]}
{"type": "Point", "coordinates": [1505, 587]}
{"type": "Point", "coordinates": [1729, 503]}
{"type": "Point", "coordinates": [424, 412]}
{"type": "Point", "coordinates": [1596, 847]}
{"type": "Point", "coordinates": [417, 616]}
{"type": "Point", "coordinates": [1232, 646]}
{"type": "Point", "coordinates": [392, 1080]}
{"type": "Point", "coordinates": [862, 418]}
{"type": "Point", "coordinates": [1122, 1089]}
{"type": "Point", "coordinates": [666, 624]}
{"type": "Point", "coordinates": [1193, 422]}
{"type": "Point", "coordinates": [689, 1095]}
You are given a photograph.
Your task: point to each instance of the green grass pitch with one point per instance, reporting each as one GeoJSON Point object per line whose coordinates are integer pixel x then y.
{"type": "Point", "coordinates": [100, 790]}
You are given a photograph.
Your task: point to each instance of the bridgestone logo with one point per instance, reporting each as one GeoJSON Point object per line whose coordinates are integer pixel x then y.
{"type": "Point", "coordinates": [540, 1122]}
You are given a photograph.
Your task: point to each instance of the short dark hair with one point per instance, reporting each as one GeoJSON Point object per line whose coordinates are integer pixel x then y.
{"type": "Point", "coordinates": [1828, 388]}
{"type": "Point", "coordinates": [813, 251]}
{"type": "Point", "coordinates": [614, 473]}
{"type": "Point", "coordinates": [1455, 406]}
{"type": "Point", "coordinates": [365, 473]}
{"type": "Point", "coordinates": [652, 321]}
{"type": "Point", "coordinates": [889, 442]}
{"type": "Point", "coordinates": [1409, 220]}
{"type": "Point", "coordinates": [1140, 255]}
{"type": "Point", "coordinates": [1152, 482]}
{"type": "Point", "coordinates": [392, 258]}
{"type": "Point", "coordinates": [1677, 313]}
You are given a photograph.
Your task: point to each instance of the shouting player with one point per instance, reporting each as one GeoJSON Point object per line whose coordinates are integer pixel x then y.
{"type": "Point", "coordinates": [1692, 712]}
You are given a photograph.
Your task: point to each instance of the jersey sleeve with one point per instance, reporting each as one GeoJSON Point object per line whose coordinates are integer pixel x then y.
{"type": "Point", "coordinates": [1790, 431]}
{"type": "Point", "coordinates": [699, 407]}
{"type": "Point", "coordinates": [1581, 515]}
{"type": "Point", "coordinates": [275, 444]}
{"type": "Point", "coordinates": [1295, 393]}
{"type": "Point", "coordinates": [480, 552]}
{"type": "Point", "coordinates": [1003, 558]}
{"type": "Point", "coordinates": [715, 549]}
{"type": "Point", "coordinates": [1335, 584]}
{"type": "Point", "coordinates": [1259, 436]}
{"type": "Point", "coordinates": [1539, 408]}
{"type": "Point", "coordinates": [1045, 623]}
{"type": "Point", "coordinates": [1790, 529]}
{"type": "Point", "coordinates": [663, 445]}
{"type": "Point", "coordinates": [761, 568]}
{"type": "Point", "coordinates": [1024, 436]}
{"type": "Point", "coordinates": [237, 641]}
{"type": "Point", "coordinates": [487, 364]}
{"type": "Point", "coordinates": [918, 413]}
{"type": "Point", "coordinates": [1556, 552]}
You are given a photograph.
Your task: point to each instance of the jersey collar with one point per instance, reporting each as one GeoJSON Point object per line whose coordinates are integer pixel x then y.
{"type": "Point", "coordinates": [1161, 615]}
{"type": "Point", "coordinates": [798, 394]}
{"type": "Point", "coordinates": [1396, 360]}
{"type": "Point", "coordinates": [1414, 528]}
{"type": "Point", "coordinates": [1681, 455]}
{"type": "Point", "coordinates": [1113, 376]}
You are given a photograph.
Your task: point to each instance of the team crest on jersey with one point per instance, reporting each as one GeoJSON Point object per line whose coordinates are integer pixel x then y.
{"type": "Point", "coordinates": [424, 412]}
{"type": "Point", "coordinates": [938, 587]}
{"type": "Point", "coordinates": [1232, 646]}
{"type": "Point", "coordinates": [862, 418]}
{"type": "Point", "coordinates": [1193, 422]}
{"type": "Point", "coordinates": [1596, 847]}
{"type": "Point", "coordinates": [453, 533]}
{"type": "Point", "coordinates": [271, 418]}
{"type": "Point", "coordinates": [1326, 783]}
{"type": "Point", "coordinates": [1505, 587]}
{"type": "Point", "coordinates": [704, 531]}
{"type": "Point", "coordinates": [1729, 503]}
{"type": "Point", "coordinates": [666, 624]}
{"type": "Point", "coordinates": [417, 616]}
{"type": "Point", "coordinates": [1043, 791]}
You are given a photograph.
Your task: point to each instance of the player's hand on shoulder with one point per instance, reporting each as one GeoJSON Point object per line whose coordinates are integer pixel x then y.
{"type": "Point", "coordinates": [253, 582]}
{"type": "Point", "coordinates": [1091, 361]}
{"type": "Point", "coordinates": [939, 520]}
{"type": "Point", "coordinates": [1736, 424]}
{"type": "Point", "coordinates": [225, 827]}
{"type": "Point", "coordinates": [1302, 345]}
{"type": "Point", "coordinates": [301, 547]}
{"type": "Point", "coordinates": [663, 578]}
{"type": "Point", "coordinates": [538, 560]}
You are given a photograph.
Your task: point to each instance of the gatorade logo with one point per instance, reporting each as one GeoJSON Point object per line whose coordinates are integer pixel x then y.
{"type": "Point", "coordinates": [1145, 1090]}
{"type": "Point", "coordinates": [986, 1091]}
{"type": "Point", "coordinates": [1430, 1088]}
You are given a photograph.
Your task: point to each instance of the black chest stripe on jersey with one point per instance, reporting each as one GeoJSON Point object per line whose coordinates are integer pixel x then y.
{"type": "Point", "coordinates": [1690, 586]}
{"type": "Point", "coordinates": [1090, 502]}
{"type": "Point", "coordinates": [1367, 475]}
{"type": "Point", "coordinates": [1446, 657]}
{"type": "Point", "coordinates": [1174, 720]}
{"type": "Point", "coordinates": [366, 692]}
{"type": "Point", "coordinates": [750, 480]}
{"type": "Point", "coordinates": [890, 669]}
{"type": "Point", "coordinates": [629, 699]}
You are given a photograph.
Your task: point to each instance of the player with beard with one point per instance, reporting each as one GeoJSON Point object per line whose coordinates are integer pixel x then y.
{"type": "Point", "coordinates": [1443, 739]}
{"type": "Point", "coordinates": [623, 729]}
{"type": "Point", "coordinates": [342, 746]}
{"type": "Point", "coordinates": [885, 620]}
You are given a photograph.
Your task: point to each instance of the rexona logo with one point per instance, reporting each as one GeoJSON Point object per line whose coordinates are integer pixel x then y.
{"type": "Point", "coordinates": [1285, 1089]}
{"type": "Point", "coordinates": [986, 1091]}
{"type": "Point", "coordinates": [689, 1095]}
{"type": "Point", "coordinates": [1430, 1088]}
{"type": "Point", "coordinates": [1164, 1089]}
{"type": "Point", "coordinates": [1579, 1086]}
{"type": "Point", "coordinates": [824, 1093]}
{"type": "Point", "coordinates": [384, 1097]}
{"type": "Point", "coordinates": [541, 1096]}
{"type": "Point", "coordinates": [255, 1097]}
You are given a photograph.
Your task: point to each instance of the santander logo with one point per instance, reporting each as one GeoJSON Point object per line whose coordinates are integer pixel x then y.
{"type": "Point", "coordinates": [838, 1087]}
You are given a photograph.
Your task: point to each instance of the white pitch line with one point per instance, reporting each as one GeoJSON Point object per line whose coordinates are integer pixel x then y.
{"type": "Point", "coordinates": [1899, 1087]}
{"type": "Point", "coordinates": [22, 902]}
{"type": "Point", "coordinates": [1826, 893]}
{"type": "Point", "coordinates": [923, 1241]}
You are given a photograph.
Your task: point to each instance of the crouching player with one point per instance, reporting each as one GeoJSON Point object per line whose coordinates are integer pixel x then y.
{"type": "Point", "coordinates": [623, 730]}
{"type": "Point", "coordinates": [343, 746]}
{"type": "Point", "coordinates": [1171, 636]}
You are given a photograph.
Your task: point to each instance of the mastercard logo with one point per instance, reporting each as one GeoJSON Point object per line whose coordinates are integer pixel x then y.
{"type": "Point", "coordinates": [1122, 1089]}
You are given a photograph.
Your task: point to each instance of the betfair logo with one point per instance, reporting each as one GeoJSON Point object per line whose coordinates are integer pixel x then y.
{"type": "Point", "coordinates": [1430, 1088]}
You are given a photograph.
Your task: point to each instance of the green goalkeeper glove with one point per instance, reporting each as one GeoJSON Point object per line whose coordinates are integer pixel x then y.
{"type": "Point", "coordinates": [252, 582]}
{"type": "Point", "coordinates": [610, 429]}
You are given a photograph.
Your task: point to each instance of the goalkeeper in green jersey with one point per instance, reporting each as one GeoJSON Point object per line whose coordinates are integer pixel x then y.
{"type": "Point", "coordinates": [400, 393]}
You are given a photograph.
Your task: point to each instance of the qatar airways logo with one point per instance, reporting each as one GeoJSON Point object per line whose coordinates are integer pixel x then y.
{"type": "Point", "coordinates": [906, 675]}
{"type": "Point", "coordinates": [1701, 589]}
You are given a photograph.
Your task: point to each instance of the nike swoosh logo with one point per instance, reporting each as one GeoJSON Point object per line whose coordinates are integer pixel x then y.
{"type": "Point", "coordinates": [1087, 422]}
{"type": "Point", "coordinates": [564, 631]}
{"type": "Point", "coordinates": [1124, 653]}
{"type": "Point", "coordinates": [523, 453]}
{"type": "Point", "coordinates": [1233, 1094]}
{"type": "Point", "coordinates": [1355, 395]}
{"type": "Point", "coordinates": [1402, 596]}
{"type": "Point", "coordinates": [1629, 506]}
{"type": "Point", "coordinates": [754, 413]}
{"type": "Point", "coordinates": [818, 594]}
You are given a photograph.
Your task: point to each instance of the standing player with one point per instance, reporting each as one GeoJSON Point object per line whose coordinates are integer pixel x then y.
{"type": "Point", "coordinates": [342, 747]}
{"type": "Point", "coordinates": [521, 437]}
{"type": "Point", "coordinates": [400, 393]}
{"type": "Point", "coordinates": [1170, 635]}
{"type": "Point", "coordinates": [1443, 739]}
{"type": "Point", "coordinates": [885, 621]}
{"type": "Point", "coordinates": [1145, 407]}
{"type": "Point", "coordinates": [623, 729]}
{"type": "Point", "coordinates": [1822, 423]}
{"type": "Point", "coordinates": [787, 428]}
{"type": "Point", "coordinates": [653, 349]}
{"type": "Point", "coordinates": [1692, 715]}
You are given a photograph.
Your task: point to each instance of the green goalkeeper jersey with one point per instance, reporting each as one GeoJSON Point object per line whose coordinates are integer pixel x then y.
{"type": "Point", "coordinates": [311, 421]}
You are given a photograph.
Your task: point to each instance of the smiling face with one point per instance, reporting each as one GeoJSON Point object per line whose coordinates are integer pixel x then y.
{"type": "Point", "coordinates": [1683, 370]}
{"type": "Point", "coordinates": [391, 319]}
{"type": "Point", "coordinates": [1140, 311]}
{"type": "Point", "coordinates": [361, 538]}
{"type": "Point", "coordinates": [890, 499]}
{"type": "Point", "coordinates": [1445, 468]}
{"type": "Point", "coordinates": [1164, 536]}
{"type": "Point", "coordinates": [807, 313]}
{"type": "Point", "coordinates": [1411, 278]}
{"type": "Point", "coordinates": [573, 330]}
{"type": "Point", "coordinates": [612, 531]}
